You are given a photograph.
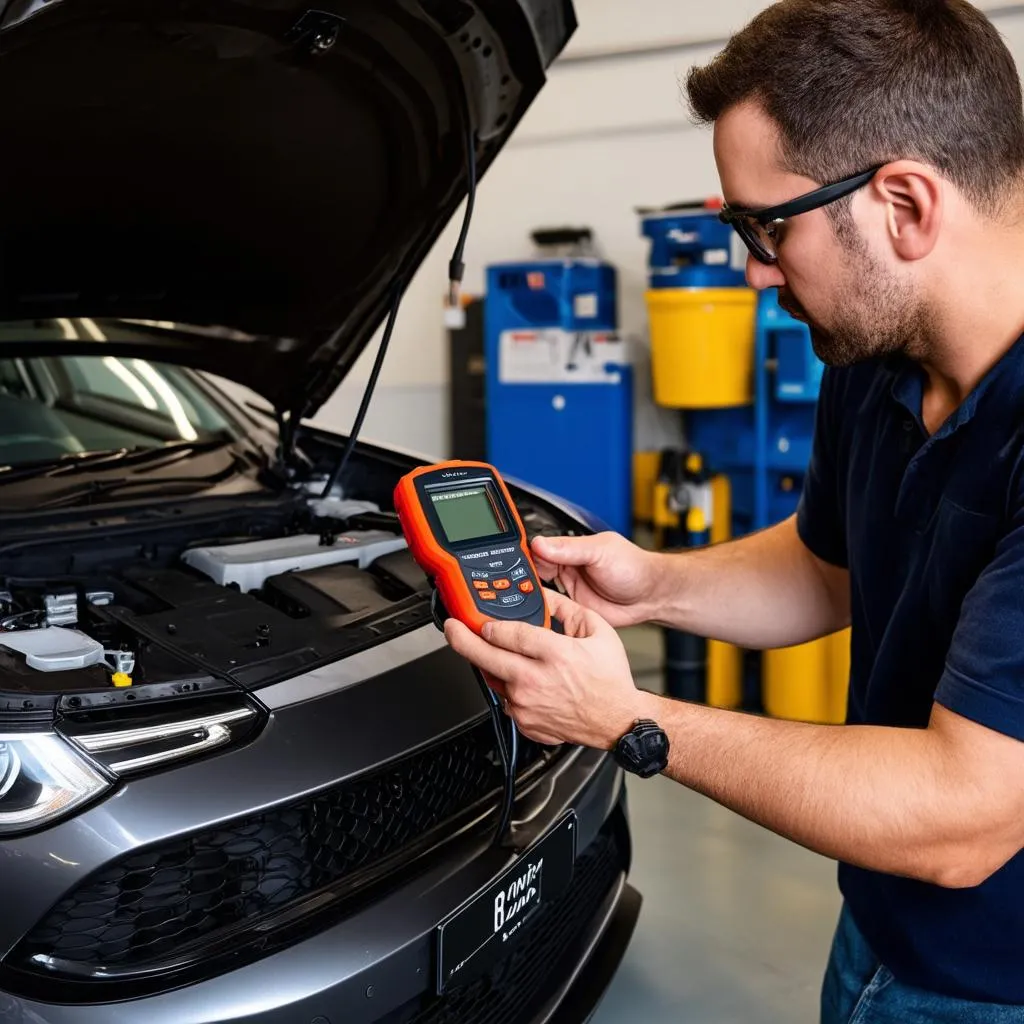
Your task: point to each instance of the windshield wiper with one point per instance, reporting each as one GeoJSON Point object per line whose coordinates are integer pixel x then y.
{"type": "Point", "coordinates": [68, 465]}
{"type": "Point", "coordinates": [85, 493]}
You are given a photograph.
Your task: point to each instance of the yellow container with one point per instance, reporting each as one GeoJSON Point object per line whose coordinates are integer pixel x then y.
{"type": "Point", "coordinates": [702, 346]}
{"type": "Point", "coordinates": [808, 682]}
{"type": "Point", "coordinates": [721, 500]}
{"type": "Point", "coordinates": [839, 675]}
{"type": "Point", "coordinates": [725, 675]}
{"type": "Point", "coordinates": [725, 662]}
{"type": "Point", "coordinates": [645, 474]}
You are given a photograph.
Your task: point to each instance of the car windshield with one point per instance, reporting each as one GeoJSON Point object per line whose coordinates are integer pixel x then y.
{"type": "Point", "coordinates": [57, 406]}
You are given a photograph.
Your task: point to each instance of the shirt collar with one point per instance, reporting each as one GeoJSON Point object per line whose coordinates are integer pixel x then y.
{"type": "Point", "coordinates": [1004, 381]}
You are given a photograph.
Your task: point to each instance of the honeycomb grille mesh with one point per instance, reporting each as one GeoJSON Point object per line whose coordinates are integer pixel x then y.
{"type": "Point", "coordinates": [145, 907]}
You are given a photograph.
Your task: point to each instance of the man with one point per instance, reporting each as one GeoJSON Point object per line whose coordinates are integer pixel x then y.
{"type": "Point", "coordinates": [910, 274]}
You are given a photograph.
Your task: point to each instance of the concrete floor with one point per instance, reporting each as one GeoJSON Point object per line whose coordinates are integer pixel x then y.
{"type": "Point", "coordinates": [736, 922]}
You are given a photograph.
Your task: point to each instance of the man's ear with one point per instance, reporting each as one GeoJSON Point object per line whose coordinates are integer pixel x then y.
{"type": "Point", "coordinates": [911, 195]}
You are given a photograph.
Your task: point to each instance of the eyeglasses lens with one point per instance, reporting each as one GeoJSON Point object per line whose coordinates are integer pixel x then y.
{"type": "Point", "coordinates": [757, 238]}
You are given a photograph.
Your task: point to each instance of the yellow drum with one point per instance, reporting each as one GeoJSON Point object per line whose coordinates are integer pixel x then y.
{"type": "Point", "coordinates": [725, 662]}
{"type": "Point", "coordinates": [702, 346]}
{"type": "Point", "coordinates": [808, 682]}
{"type": "Point", "coordinates": [725, 675]}
{"type": "Point", "coordinates": [645, 475]}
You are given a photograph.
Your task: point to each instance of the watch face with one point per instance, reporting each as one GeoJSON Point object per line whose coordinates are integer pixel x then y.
{"type": "Point", "coordinates": [643, 750]}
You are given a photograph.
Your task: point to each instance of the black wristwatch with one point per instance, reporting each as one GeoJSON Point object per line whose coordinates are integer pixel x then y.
{"type": "Point", "coordinates": [643, 750]}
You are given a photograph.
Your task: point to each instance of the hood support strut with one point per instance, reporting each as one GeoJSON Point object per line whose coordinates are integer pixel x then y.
{"type": "Point", "coordinates": [456, 268]}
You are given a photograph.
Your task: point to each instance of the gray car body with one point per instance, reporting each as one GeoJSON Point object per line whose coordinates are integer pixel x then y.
{"type": "Point", "coordinates": [370, 963]}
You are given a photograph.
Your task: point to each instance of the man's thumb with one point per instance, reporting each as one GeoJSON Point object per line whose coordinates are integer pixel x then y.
{"type": "Point", "coordinates": [566, 550]}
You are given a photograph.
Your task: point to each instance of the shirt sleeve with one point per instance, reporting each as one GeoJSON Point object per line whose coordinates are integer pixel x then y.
{"type": "Point", "coordinates": [820, 520]}
{"type": "Point", "coordinates": [984, 674]}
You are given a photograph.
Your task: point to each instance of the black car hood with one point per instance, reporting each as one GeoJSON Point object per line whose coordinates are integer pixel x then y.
{"type": "Point", "coordinates": [235, 185]}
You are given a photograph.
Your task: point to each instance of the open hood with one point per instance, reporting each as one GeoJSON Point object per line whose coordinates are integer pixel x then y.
{"type": "Point", "coordinates": [235, 185]}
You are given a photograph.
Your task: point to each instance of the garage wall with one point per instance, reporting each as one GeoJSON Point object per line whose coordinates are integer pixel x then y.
{"type": "Point", "coordinates": [608, 133]}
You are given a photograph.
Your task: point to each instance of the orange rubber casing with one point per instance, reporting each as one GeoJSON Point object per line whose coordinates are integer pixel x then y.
{"type": "Point", "coordinates": [440, 564]}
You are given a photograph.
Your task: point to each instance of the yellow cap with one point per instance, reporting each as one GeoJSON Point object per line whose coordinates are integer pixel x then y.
{"type": "Point", "coordinates": [696, 521]}
{"type": "Point", "coordinates": [120, 679]}
{"type": "Point", "coordinates": [694, 463]}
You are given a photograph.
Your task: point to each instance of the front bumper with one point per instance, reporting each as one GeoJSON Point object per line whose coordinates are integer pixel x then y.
{"type": "Point", "coordinates": [377, 965]}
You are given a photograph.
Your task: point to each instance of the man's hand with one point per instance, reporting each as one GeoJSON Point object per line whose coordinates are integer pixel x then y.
{"type": "Point", "coordinates": [605, 573]}
{"type": "Point", "coordinates": [576, 688]}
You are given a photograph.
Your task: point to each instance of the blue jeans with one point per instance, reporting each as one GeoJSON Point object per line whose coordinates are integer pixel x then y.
{"type": "Point", "coordinates": [859, 990]}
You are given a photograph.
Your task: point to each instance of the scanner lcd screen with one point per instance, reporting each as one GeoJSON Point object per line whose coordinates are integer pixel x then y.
{"type": "Point", "coordinates": [466, 514]}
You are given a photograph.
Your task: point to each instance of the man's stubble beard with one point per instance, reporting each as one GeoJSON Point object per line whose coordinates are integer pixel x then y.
{"type": "Point", "coordinates": [875, 315]}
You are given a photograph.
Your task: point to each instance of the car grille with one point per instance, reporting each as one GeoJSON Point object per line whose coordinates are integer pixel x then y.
{"type": "Point", "coordinates": [514, 990]}
{"type": "Point", "coordinates": [155, 904]}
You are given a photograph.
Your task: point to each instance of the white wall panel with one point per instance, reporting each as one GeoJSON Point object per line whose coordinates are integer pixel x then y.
{"type": "Point", "coordinates": [622, 95]}
{"type": "Point", "coordinates": [611, 24]}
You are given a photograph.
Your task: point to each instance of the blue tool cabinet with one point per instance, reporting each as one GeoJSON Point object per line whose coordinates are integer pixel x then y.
{"type": "Point", "coordinates": [559, 385]}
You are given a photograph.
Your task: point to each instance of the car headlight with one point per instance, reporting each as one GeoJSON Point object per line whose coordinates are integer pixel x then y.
{"type": "Point", "coordinates": [42, 778]}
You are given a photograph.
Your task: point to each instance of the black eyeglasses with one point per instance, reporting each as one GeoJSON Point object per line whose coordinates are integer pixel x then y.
{"type": "Point", "coordinates": [759, 228]}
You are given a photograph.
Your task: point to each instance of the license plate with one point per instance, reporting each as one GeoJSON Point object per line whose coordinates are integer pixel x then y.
{"type": "Point", "coordinates": [496, 919]}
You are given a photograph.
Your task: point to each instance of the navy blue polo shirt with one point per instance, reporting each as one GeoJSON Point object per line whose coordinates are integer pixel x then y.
{"type": "Point", "coordinates": [932, 531]}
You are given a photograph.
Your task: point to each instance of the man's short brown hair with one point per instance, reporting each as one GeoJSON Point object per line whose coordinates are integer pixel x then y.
{"type": "Point", "coordinates": [856, 83]}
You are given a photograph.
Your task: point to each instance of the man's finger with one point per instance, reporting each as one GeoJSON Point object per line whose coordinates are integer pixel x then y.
{"type": "Point", "coordinates": [576, 620]}
{"type": "Point", "coordinates": [567, 550]}
{"type": "Point", "coordinates": [545, 569]}
{"type": "Point", "coordinates": [538, 736]}
{"type": "Point", "coordinates": [521, 637]}
{"type": "Point", "coordinates": [496, 685]}
{"type": "Point", "coordinates": [491, 660]}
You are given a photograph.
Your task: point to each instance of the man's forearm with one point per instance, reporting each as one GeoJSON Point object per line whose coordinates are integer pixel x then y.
{"type": "Point", "coordinates": [886, 799]}
{"type": "Point", "coordinates": [766, 590]}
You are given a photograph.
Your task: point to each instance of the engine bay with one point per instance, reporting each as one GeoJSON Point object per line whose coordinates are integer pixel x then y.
{"type": "Point", "coordinates": [241, 600]}
{"type": "Point", "coordinates": [138, 612]}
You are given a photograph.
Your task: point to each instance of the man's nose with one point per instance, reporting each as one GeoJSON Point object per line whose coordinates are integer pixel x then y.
{"type": "Point", "coordinates": [763, 275]}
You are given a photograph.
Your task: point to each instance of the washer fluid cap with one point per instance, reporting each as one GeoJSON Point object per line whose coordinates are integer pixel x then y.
{"type": "Point", "coordinates": [54, 648]}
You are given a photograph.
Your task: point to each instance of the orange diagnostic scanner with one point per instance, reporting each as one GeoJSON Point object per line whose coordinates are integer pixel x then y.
{"type": "Point", "coordinates": [465, 533]}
